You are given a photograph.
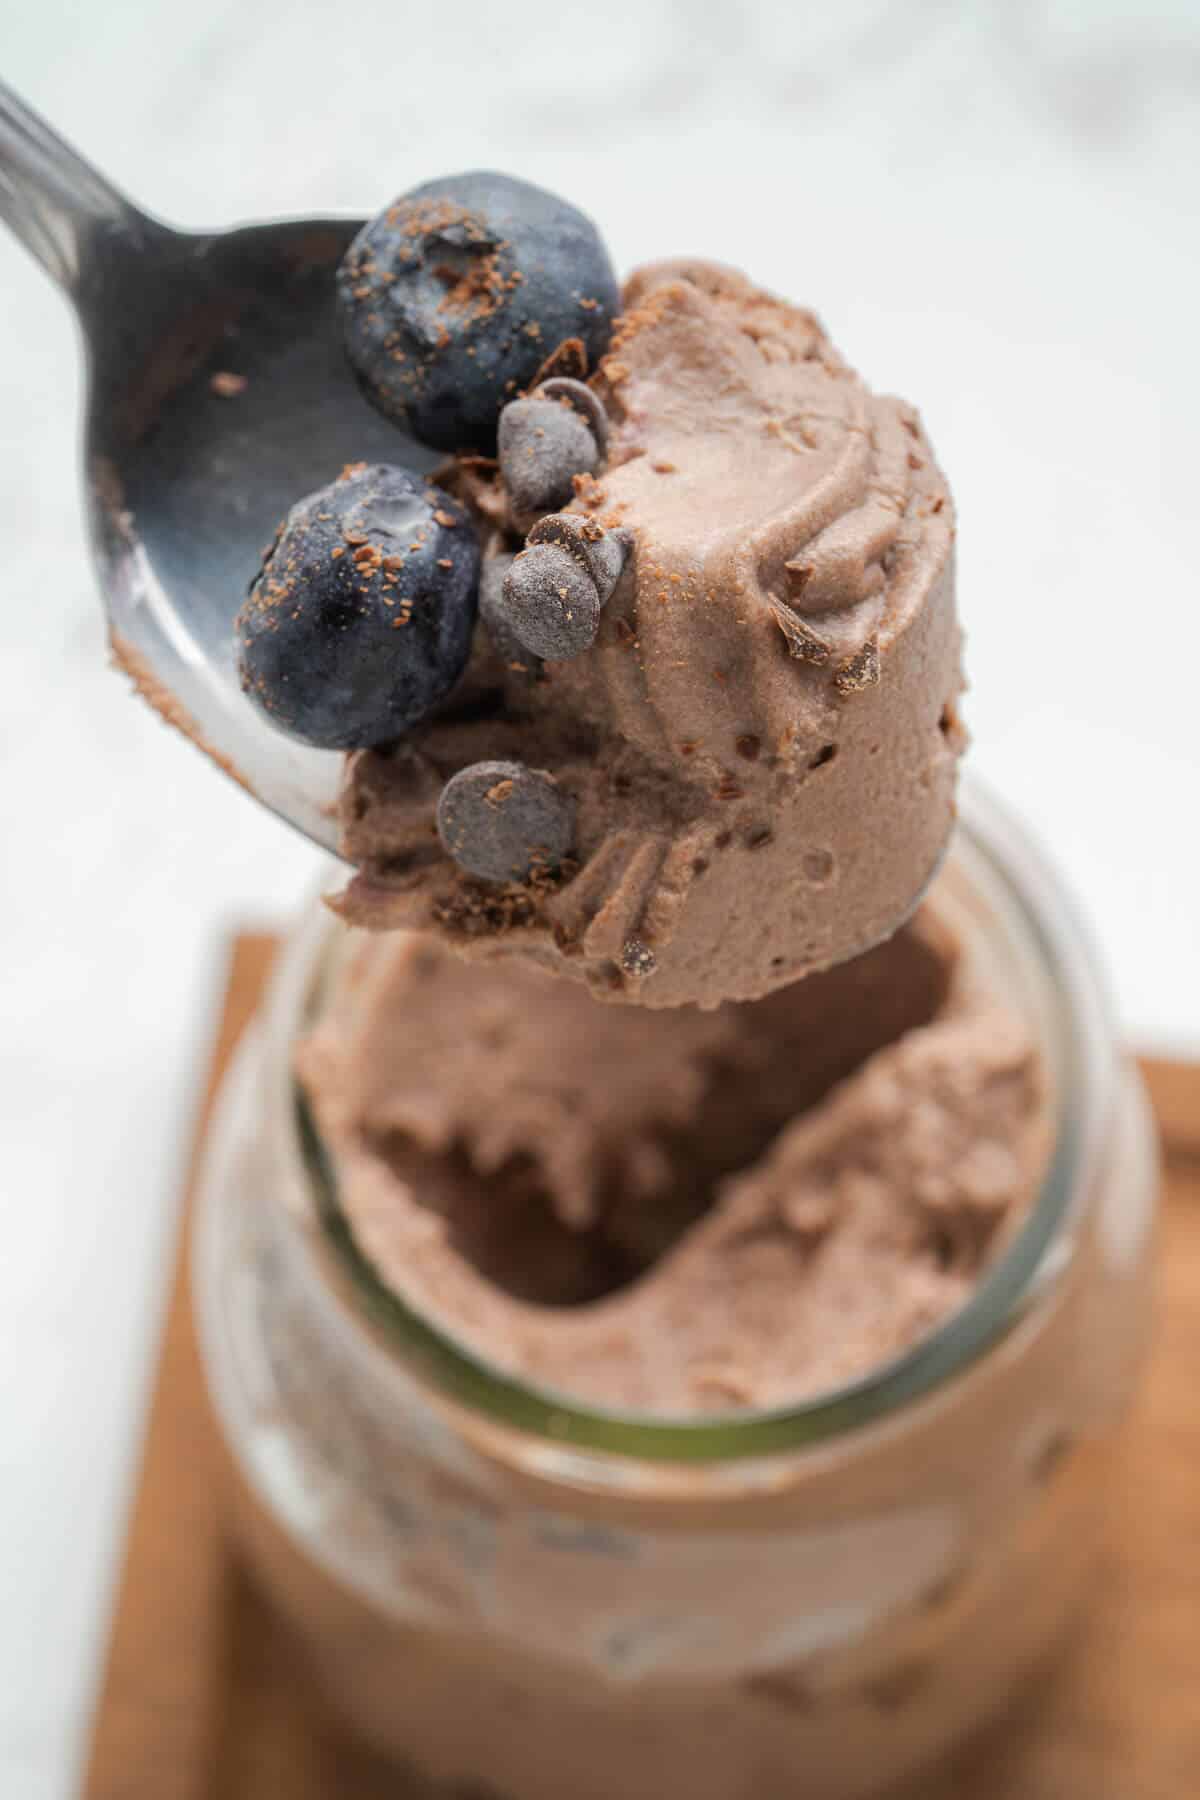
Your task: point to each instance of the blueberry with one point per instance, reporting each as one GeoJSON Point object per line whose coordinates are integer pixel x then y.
{"type": "Point", "coordinates": [359, 622]}
{"type": "Point", "coordinates": [453, 297]}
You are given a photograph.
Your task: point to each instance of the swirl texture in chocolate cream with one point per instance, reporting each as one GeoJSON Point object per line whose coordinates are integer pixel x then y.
{"type": "Point", "coordinates": [761, 743]}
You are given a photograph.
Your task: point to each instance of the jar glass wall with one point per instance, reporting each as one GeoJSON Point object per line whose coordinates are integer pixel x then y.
{"type": "Point", "coordinates": [507, 1588]}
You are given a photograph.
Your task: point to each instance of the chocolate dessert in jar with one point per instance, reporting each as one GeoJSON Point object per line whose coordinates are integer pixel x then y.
{"type": "Point", "coordinates": [673, 1256]}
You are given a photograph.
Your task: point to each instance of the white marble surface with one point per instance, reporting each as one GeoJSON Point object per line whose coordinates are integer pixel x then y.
{"type": "Point", "coordinates": [994, 205]}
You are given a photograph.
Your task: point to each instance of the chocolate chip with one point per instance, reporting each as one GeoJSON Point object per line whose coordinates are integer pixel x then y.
{"type": "Point", "coordinates": [543, 445]}
{"type": "Point", "coordinates": [508, 645]}
{"type": "Point", "coordinates": [502, 821]}
{"type": "Point", "coordinates": [608, 555]}
{"type": "Point", "coordinates": [603, 553]}
{"type": "Point", "coordinates": [550, 602]}
{"type": "Point", "coordinates": [570, 531]}
{"type": "Point", "coordinates": [583, 401]}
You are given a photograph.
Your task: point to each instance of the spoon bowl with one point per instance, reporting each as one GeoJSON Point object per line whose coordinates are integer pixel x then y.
{"type": "Point", "coordinates": [217, 395]}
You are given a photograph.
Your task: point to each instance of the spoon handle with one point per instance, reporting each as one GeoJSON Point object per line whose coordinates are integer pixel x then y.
{"type": "Point", "coordinates": [60, 208]}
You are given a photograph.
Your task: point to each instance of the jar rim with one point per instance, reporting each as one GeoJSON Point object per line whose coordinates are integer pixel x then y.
{"type": "Point", "coordinates": [1003, 858]}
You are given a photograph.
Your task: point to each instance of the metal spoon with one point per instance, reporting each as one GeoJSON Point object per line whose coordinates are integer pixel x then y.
{"type": "Point", "coordinates": [186, 478]}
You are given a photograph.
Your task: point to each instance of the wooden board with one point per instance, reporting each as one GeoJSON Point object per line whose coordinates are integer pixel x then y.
{"type": "Point", "coordinates": [202, 1698]}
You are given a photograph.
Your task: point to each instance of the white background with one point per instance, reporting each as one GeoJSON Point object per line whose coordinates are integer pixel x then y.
{"type": "Point", "coordinates": [994, 205]}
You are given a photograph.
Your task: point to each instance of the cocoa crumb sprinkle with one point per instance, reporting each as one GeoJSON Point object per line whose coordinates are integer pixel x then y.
{"type": "Point", "coordinates": [860, 671]}
{"type": "Point", "coordinates": [802, 641]}
{"type": "Point", "coordinates": [227, 385]}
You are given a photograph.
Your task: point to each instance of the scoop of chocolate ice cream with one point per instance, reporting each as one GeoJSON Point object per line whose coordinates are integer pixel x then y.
{"type": "Point", "coordinates": [758, 744]}
{"type": "Point", "coordinates": [681, 1211]}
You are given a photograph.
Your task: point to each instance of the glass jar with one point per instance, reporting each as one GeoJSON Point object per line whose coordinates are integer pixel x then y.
{"type": "Point", "coordinates": [526, 1597]}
